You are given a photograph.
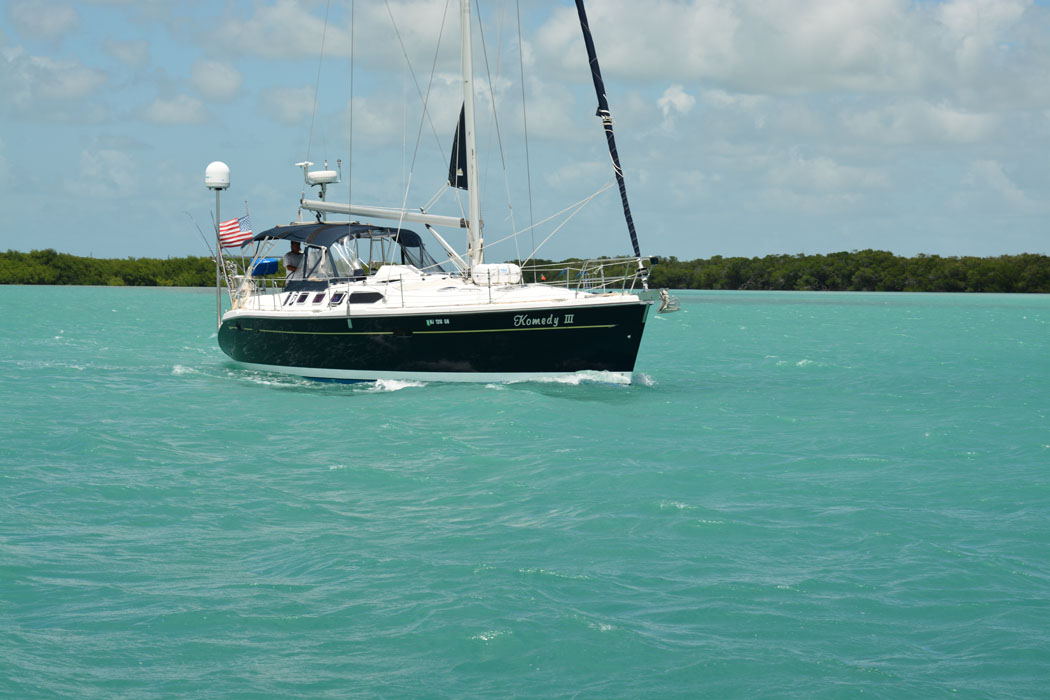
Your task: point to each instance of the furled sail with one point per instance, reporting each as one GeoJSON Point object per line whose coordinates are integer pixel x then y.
{"type": "Point", "coordinates": [457, 167]}
{"type": "Point", "coordinates": [603, 112]}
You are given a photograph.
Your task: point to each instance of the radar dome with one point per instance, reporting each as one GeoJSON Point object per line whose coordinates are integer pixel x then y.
{"type": "Point", "coordinates": [217, 175]}
{"type": "Point", "coordinates": [322, 177]}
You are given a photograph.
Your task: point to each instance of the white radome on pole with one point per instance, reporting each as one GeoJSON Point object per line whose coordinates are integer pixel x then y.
{"type": "Point", "coordinates": [217, 176]}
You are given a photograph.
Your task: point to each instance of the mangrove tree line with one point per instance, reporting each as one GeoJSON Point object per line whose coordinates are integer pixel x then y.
{"type": "Point", "coordinates": [859, 270]}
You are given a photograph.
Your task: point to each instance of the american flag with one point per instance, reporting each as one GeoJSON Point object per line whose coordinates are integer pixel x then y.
{"type": "Point", "coordinates": [235, 232]}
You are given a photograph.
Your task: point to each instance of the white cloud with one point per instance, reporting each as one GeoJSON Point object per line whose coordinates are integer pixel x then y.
{"type": "Point", "coordinates": [419, 24]}
{"type": "Point", "coordinates": [824, 174]}
{"type": "Point", "coordinates": [104, 173]}
{"type": "Point", "coordinates": [285, 29]}
{"type": "Point", "coordinates": [43, 20]}
{"type": "Point", "coordinates": [290, 29]}
{"type": "Point", "coordinates": [553, 113]}
{"type": "Point", "coordinates": [64, 80]}
{"type": "Point", "coordinates": [635, 39]}
{"type": "Point", "coordinates": [578, 176]}
{"type": "Point", "coordinates": [733, 106]}
{"type": "Point", "coordinates": [917, 121]}
{"type": "Point", "coordinates": [215, 80]}
{"type": "Point", "coordinates": [45, 88]}
{"type": "Point", "coordinates": [381, 119]}
{"type": "Point", "coordinates": [976, 27]}
{"type": "Point", "coordinates": [807, 46]}
{"type": "Point", "coordinates": [727, 100]}
{"type": "Point", "coordinates": [809, 203]}
{"type": "Point", "coordinates": [989, 175]}
{"type": "Point", "coordinates": [960, 50]}
{"type": "Point", "coordinates": [687, 186]}
{"type": "Point", "coordinates": [676, 99]}
{"type": "Point", "coordinates": [134, 52]}
{"type": "Point", "coordinates": [287, 105]}
{"type": "Point", "coordinates": [181, 109]}
{"type": "Point", "coordinates": [777, 47]}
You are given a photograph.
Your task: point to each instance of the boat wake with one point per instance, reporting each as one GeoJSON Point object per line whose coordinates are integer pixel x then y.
{"type": "Point", "coordinates": [578, 378]}
{"type": "Point", "coordinates": [392, 385]}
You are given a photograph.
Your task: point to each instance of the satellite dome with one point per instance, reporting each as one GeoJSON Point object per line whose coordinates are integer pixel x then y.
{"type": "Point", "coordinates": [217, 175]}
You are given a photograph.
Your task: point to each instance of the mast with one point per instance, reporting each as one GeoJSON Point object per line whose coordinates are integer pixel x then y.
{"type": "Point", "coordinates": [603, 112]}
{"type": "Point", "coordinates": [475, 243]}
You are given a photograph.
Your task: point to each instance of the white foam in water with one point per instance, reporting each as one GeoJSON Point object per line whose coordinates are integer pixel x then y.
{"type": "Point", "coordinates": [584, 377]}
{"type": "Point", "coordinates": [269, 379]}
{"type": "Point", "coordinates": [393, 385]}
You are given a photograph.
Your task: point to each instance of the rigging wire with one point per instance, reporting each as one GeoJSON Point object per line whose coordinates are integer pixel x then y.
{"type": "Point", "coordinates": [579, 207]}
{"type": "Point", "coordinates": [437, 195]}
{"type": "Point", "coordinates": [580, 204]}
{"type": "Point", "coordinates": [350, 156]}
{"type": "Point", "coordinates": [317, 82]}
{"type": "Point", "coordinates": [425, 99]}
{"type": "Point", "coordinates": [404, 128]}
{"type": "Point", "coordinates": [495, 120]}
{"type": "Point", "coordinates": [525, 126]}
{"type": "Point", "coordinates": [425, 117]}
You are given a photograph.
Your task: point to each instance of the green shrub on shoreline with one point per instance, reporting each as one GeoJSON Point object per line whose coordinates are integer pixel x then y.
{"type": "Point", "coordinates": [50, 267]}
{"type": "Point", "coordinates": [860, 271]}
{"type": "Point", "coordinates": [864, 270]}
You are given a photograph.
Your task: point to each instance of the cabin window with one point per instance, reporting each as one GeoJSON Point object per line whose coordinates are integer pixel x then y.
{"type": "Point", "coordinates": [318, 298]}
{"type": "Point", "coordinates": [302, 297]}
{"type": "Point", "coordinates": [337, 298]}
{"type": "Point", "coordinates": [365, 297]}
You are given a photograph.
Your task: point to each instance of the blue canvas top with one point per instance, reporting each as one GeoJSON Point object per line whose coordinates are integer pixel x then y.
{"type": "Point", "coordinates": [325, 234]}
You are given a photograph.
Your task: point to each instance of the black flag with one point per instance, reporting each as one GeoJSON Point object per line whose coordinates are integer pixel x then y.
{"type": "Point", "coordinates": [457, 167]}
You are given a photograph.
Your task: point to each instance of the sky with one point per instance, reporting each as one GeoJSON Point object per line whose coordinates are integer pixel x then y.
{"type": "Point", "coordinates": [745, 127]}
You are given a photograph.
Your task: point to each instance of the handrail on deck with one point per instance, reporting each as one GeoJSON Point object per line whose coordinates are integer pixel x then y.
{"type": "Point", "coordinates": [596, 275]}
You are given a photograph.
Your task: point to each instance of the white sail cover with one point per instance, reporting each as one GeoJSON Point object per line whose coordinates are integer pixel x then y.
{"type": "Point", "coordinates": [496, 273]}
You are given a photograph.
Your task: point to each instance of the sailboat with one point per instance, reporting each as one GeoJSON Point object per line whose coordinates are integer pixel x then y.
{"type": "Point", "coordinates": [370, 302]}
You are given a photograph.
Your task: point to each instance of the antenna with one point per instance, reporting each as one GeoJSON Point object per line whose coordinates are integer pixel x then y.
{"type": "Point", "coordinates": [217, 177]}
{"type": "Point", "coordinates": [321, 178]}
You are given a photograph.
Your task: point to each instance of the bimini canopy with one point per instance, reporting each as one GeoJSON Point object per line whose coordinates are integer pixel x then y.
{"type": "Point", "coordinates": [324, 234]}
{"type": "Point", "coordinates": [342, 235]}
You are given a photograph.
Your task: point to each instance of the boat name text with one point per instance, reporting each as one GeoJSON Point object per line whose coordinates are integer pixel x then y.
{"type": "Point", "coordinates": [524, 320]}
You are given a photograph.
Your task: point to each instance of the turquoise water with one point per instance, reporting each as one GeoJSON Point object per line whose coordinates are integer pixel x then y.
{"type": "Point", "coordinates": [801, 496]}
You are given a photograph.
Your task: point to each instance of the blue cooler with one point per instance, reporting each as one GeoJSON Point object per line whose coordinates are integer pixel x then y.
{"type": "Point", "coordinates": [264, 266]}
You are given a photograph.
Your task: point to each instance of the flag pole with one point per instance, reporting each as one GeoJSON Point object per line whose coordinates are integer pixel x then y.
{"type": "Point", "coordinates": [248, 214]}
{"type": "Point", "coordinates": [218, 262]}
{"type": "Point", "coordinates": [217, 177]}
